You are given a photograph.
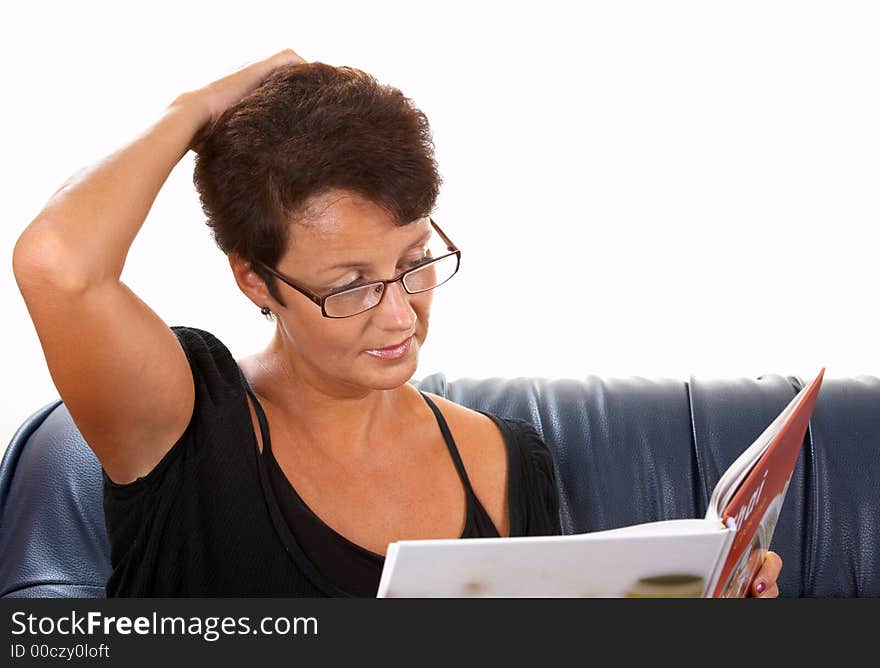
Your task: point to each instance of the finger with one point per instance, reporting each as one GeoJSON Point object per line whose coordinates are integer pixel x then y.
{"type": "Point", "coordinates": [771, 592]}
{"type": "Point", "coordinates": [773, 565]}
{"type": "Point", "coordinates": [288, 56]}
{"type": "Point", "coordinates": [283, 57]}
{"type": "Point", "coordinates": [767, 575]}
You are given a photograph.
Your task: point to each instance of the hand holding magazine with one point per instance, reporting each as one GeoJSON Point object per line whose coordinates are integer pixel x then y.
{"type": "Point", "coordinates": [716, 556]}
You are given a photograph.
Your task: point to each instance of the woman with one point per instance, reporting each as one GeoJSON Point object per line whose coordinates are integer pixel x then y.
{"type": "Point", "coordinates": [288, 472]}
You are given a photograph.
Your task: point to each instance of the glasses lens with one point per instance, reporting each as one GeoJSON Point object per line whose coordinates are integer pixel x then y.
{"type": "Point", "coordinates": [431, 275]}
{"type": "Point", "coordinates": [359, 299]}
{"type": "Point", "coordinates": [354, 301]}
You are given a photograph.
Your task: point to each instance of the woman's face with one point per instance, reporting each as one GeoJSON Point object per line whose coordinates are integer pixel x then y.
{"type": "Point", "coordinates": [345, 229]}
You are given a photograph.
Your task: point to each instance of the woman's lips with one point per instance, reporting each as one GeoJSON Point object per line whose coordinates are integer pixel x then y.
{"type": "Point", "coordinates": [392, 352]}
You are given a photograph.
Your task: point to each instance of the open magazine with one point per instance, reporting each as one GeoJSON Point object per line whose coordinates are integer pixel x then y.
{"type": "Point", "coordinates": [716, 556]}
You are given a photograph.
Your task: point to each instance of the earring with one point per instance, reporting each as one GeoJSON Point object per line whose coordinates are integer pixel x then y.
{"type": "Point", "coordinates": [266, 311]}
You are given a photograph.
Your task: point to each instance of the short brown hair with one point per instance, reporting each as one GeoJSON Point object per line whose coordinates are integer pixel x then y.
{"type": "Point", "coordinates": [309, 128]}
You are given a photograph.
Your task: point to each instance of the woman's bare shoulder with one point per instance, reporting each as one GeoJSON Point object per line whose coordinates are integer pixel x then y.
{"type": "Point", "coordinates": [472, 422]}
{"type": "Point", "coordinates": [484, 454]}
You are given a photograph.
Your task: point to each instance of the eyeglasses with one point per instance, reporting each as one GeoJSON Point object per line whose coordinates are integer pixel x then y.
{"type": "Point", "coordinates": [428, 274]}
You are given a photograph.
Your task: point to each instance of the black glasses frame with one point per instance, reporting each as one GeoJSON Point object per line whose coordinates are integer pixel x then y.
{"type": "Point", "coordinates": [321, 299]}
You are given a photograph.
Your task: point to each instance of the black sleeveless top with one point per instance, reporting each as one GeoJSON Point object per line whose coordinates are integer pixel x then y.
{"type": "Point", "coordinates": [350, 566]}
{"type": "Point", "coordinates": [215, 518]}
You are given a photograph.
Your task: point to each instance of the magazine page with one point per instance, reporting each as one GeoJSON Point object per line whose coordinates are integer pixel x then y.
{"type": "Point", "coordinates": [754, 508]}
{"type": "Point", "coordinates": [675, 558]}
{"type": "Point", "coordinates": [731, 480]}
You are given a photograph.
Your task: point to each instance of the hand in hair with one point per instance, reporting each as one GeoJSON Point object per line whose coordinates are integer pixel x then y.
{"type": "Point", "coordinates": [217, 96]}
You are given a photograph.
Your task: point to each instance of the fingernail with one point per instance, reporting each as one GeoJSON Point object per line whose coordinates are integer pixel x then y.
{"type": "Point", "coordinates": [760, 587]}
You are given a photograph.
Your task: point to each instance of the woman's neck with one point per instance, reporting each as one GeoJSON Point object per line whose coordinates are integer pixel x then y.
{"type": "Point", "coordinates": [354, 421]}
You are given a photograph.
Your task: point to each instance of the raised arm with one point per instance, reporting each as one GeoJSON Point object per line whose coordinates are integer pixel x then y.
{"type": "Point", "coordinates": [118, 367]}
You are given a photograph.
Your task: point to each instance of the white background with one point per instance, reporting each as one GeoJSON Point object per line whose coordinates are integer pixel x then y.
{"type": "Point", "coordinates": [656, 189]}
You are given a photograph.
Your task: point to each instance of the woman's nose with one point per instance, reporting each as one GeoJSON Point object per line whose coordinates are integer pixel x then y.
{"type": "Point", "coordinates": [395, 308]}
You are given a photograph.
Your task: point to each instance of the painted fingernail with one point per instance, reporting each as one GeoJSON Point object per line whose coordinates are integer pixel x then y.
{"type": "Point", "coordinates": [760, 587]}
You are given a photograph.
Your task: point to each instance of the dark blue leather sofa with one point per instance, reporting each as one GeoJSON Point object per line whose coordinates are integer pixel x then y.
{"type": "Point", "coordinates": [628, 451]}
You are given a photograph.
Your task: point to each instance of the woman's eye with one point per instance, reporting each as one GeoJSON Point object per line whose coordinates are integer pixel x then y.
{"type": "Point", "coordinates": [346, 286]}
{"type": "Point", "coordinates": [408, 264]}
{"type": "Point", "coordinates": [419, 260]}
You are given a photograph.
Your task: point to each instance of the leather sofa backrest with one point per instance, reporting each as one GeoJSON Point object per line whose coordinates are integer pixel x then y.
{"type": "Point", "coordinates": [627, 451]}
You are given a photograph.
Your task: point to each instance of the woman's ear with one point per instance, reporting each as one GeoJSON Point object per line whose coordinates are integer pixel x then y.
{"type": "Point", "coordinates": [249, 282]}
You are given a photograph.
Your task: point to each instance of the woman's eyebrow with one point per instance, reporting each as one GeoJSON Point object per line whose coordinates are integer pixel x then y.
{"type": "Point", "coordinates": [366, 265]}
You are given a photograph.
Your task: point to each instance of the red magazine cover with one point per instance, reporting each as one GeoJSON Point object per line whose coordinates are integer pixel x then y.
{"type": "Point", "coordinates": [754, 508]}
